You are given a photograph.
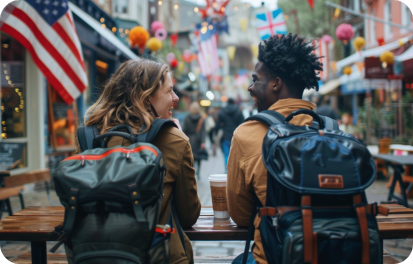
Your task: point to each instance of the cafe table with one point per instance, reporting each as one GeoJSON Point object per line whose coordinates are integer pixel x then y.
{"type": "Point", "coordinates": [36, 224]}
{"type": "Point", "coordinates": [397, 162]}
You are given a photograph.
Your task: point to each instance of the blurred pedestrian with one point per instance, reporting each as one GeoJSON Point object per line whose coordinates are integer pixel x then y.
{"type": "Point", "coordinates": [325, 109]}
{"type": "Point", "coordinates": [194, 127]}
{"type": "Point", "coordinates": [210, 129]}
{"type": "Point", "coordinates": [348, 127]}
{"type": "Point", "coordinates": [229, 118]}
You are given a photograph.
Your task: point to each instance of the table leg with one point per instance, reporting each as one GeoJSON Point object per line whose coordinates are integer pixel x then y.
{"type": "Point", "coordinates": [39, 252]}
{"type": "Point", "coordinates": [397, 177]}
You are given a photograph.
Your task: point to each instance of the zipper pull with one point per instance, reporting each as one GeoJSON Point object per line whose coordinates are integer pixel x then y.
{"type": "Point", "coordinates": [275, 221]}
{"type": "Point", "coordinates": [128, 155]}
{"type": "Point", "coordinates": [83, 160]}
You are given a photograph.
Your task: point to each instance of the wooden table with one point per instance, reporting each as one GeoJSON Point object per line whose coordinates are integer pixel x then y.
{"type": "Point", "coordinates": [397, 162]}
{"type": "Point", "coordinates": [407, 148]}
{"type": "Point", "coordinates": [36, 224]}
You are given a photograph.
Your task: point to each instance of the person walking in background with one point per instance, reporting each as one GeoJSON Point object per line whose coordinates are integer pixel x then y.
{"type": "Point", "coordinates": [229, 118]}
{"type": "Point", "coordinates": [210, 129]}
{"type": "Point", "coordinates": [194, 127]}
{"type": "Point", "coordinates": [325, 109]}
{"type": "Point", "coordinates": [348, 127]}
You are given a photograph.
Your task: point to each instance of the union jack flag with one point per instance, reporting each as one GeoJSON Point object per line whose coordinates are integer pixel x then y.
{"type": "Point", "coordinates": [46, 29]}
{"type": "Point", "coordinates": [271, 23]}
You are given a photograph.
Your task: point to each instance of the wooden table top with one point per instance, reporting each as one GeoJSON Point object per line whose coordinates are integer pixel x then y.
{"type": "Point", "coordinates": [37, 224]}
{"type": "Point", "coordinates": [402, 160]}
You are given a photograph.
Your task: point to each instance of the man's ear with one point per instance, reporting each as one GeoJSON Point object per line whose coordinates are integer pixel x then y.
{"type": "Point", "coordinates": [277, 84]}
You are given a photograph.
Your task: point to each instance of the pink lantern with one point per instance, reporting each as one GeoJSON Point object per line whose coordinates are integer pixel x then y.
{"type": "Point", "coordinates": [344, 32]}
{"type": "Point", "coordinates": [161, 34]}
{"type": "Point", "coordinates": [170, 57]}
{"type": "Point", "coordinates": [326, 39]}
{"type": "Point", "coordinates": [156, 25]}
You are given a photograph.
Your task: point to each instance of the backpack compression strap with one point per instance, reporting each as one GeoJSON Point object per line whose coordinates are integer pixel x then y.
{"type": "Point", "coordinates": [156, 126]}
{"type": "Point", "coordinates": [86, 135]}
{"type": "Point", "coordinates": [330, 123]}
{"type": "Point", "coordinates": [268, 117]}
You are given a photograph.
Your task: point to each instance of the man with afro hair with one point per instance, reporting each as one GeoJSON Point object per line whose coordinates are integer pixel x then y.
{"type": "Point", "coordinates": [286, 66]}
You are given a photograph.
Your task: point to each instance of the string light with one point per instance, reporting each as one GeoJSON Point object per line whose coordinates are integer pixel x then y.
{"type": "Point", "coordinates": [248, 5]}
{"type": "Point", "coordinates": [103, 26]}
{"type": "Point", "coordinates": [176, 6]}
{"type": "Point", "coordinates": [121, 30]}
{"type": "Point", "coordinates": [222, 9]}
{"type": "Point", "coordinates": [210, 27]}
{"type": "Point", "coordinates": [114, 29]}
{"type": "Point", "coordinates": [159, 2]}
{"type": "Point", "coordinates": [102, 20]}
{"type": "Point", "coordinates": [204, 30]}
{"type": "Point", "coordinates": [215, 5]}
{"type": "Point", "coordinates": [126, 31]}
{"type": "Point", "coordinates": [3, 135]}
{"type": "Point", "coordinates": [196, 9]}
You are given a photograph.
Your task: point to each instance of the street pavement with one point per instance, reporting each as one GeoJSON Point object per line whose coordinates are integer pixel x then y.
{"type": "Point", "coordinates": [36, 196]}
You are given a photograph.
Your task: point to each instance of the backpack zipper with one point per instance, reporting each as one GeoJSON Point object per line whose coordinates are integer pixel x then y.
{"type": "Point", "coordinates": [100, 156]}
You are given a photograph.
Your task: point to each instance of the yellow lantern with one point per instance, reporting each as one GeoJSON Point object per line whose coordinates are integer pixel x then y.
{"type": "Point", "coordinates": [347, 70]}
{"type": "Point", "coordinates": [154, 44]}
{"type": "Point", "coordinates": [359, 43]}
{"type": "Point", "coordinates": [387, 58]}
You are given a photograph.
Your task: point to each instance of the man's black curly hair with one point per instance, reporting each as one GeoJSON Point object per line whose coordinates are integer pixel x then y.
{"type": "Point", "coordinates": [292, 59]}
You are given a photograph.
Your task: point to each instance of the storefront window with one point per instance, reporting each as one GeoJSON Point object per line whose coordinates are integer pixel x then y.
{"type": "Point", "coordinates": [13, 105]}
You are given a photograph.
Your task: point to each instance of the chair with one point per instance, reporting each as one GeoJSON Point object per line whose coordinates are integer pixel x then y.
{"type": "Point", "coordinates": [42, 175]}
{"type": "Point", "coordinates": [384, 148]}
{"type": "Point", "coordinates": [7, 192]}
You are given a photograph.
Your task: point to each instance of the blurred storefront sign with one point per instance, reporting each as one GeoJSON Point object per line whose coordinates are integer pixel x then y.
{"type": "Point", "coordinates": [375, 70]}
{"type": "Point", "coordinates": [363, 86]}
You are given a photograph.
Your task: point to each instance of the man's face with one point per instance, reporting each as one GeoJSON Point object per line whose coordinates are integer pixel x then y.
{"type": "Point", "coordinates": [261, 89]}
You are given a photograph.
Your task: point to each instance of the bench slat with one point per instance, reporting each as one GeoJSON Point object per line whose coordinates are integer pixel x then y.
{"type": "Point", "coordinates": [26, 178]}
{"type": "Point", "coordinates": [26, 258]}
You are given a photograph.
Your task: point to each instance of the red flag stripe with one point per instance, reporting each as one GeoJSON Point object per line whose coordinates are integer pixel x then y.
{"type": "Point", "coordinates": [50, 48]}
{"type": "Point", "coordinates": [48, 74]}
{"type": "Point", "coordinates": [62, 33]}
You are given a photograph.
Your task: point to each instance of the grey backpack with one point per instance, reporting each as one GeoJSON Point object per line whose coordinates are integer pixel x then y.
{"type": "Point", "coordinates": [112, 199]}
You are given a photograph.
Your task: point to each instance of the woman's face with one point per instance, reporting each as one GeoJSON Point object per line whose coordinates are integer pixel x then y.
{"type": "Point", "coordinates": [164, 99]}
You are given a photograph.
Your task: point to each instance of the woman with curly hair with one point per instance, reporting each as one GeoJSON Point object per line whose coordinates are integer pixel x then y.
{"type": "Point", "coordinates": [286, 66]}
{"type": "Point", "coordinates": [137, 93]}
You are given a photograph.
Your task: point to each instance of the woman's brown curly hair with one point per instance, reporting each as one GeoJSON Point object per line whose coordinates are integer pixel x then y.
{"type": "Point", "coordinates": [125, 98]}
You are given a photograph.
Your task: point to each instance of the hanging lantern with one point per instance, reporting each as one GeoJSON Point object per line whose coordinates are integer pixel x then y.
{"type": "Point", "coordinates": [154, 44]}
{"type": "Point", "coordinates": [387, 58]}
{"type": "Point", "coordinates": [187, 56]}
{"type": "Point", "coordinates": [344, 32]}
{"type": "Point", "coordinates": [170, 57]}
{"type": "Point", "coordinates": [326, 39]}
{"type": "Point", "coordinates": [359, 43]}
{"type": "Point", "coordinates": [138, 36]}
{"type": "Point", "coordinates": [156, 25]}
{"type": "Point", "coordinates": [174, 63]}
{"type": "Point", "coordinates": [254, 49]}
{"type": "Point", "coordinates": [347, 70]}
{"type": "Point", "coordinates": [161, 34]}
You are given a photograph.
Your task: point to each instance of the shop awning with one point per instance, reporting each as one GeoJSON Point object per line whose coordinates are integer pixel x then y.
{"type": "Point", "coordinates": [359, 56]}
{"type": "Point", "coordinates": [407, 55]}
{"type": "Point", "coordinates": [329, 86]}
{"type": "Point", "coordinates": [104, 32]}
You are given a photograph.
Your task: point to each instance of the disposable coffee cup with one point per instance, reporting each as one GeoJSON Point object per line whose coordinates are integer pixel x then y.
{"type": "Point", "coordinates": [218, 184]}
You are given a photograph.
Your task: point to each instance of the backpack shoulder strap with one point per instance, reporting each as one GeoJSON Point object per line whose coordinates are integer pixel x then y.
{"type": "Point", "coordinates": [330, 123]}
{"type": "Point", "coordinates": [156, 126]}
{"type": "Point", "coordinates": [268, 117]}
{"type": "Point", "coordinates": [85, 136]}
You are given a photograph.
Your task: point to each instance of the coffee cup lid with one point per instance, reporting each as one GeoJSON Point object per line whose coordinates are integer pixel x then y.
{"type": "Point", "coordinates": [218, 177]}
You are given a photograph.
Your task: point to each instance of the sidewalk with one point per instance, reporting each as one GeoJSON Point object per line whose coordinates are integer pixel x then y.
{"type": "Point", "coordinates": [399, 248]}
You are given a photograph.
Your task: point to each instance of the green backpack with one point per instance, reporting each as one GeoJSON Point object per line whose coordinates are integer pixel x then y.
{"type": "Point", "coordinates": [112, 199]}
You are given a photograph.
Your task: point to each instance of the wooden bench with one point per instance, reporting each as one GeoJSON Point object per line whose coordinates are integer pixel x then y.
{"type": "Point", "coordinates": [42, 175]}
{"type": "Point", "coordinates": [7, 192]}
{"type": "Point", "coordinates": [61, 259]}
{"type": "Point", "coordinates": [26, 258]}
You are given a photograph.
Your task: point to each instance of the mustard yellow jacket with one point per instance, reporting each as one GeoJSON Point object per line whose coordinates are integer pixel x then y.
{"type": "Point", "coordinates": [246, 171]}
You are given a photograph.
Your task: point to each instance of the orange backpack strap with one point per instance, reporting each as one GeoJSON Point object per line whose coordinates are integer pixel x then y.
{"type": "Point", "coordinates": [362, 217]}
{"type": "Point", "coordinates": [307, 215]}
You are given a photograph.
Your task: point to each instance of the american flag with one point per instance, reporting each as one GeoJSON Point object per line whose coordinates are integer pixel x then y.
{"type": "Point", "coordinates": [46, 29]}
{"type": "Point", "coordinates": [208, 52]}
